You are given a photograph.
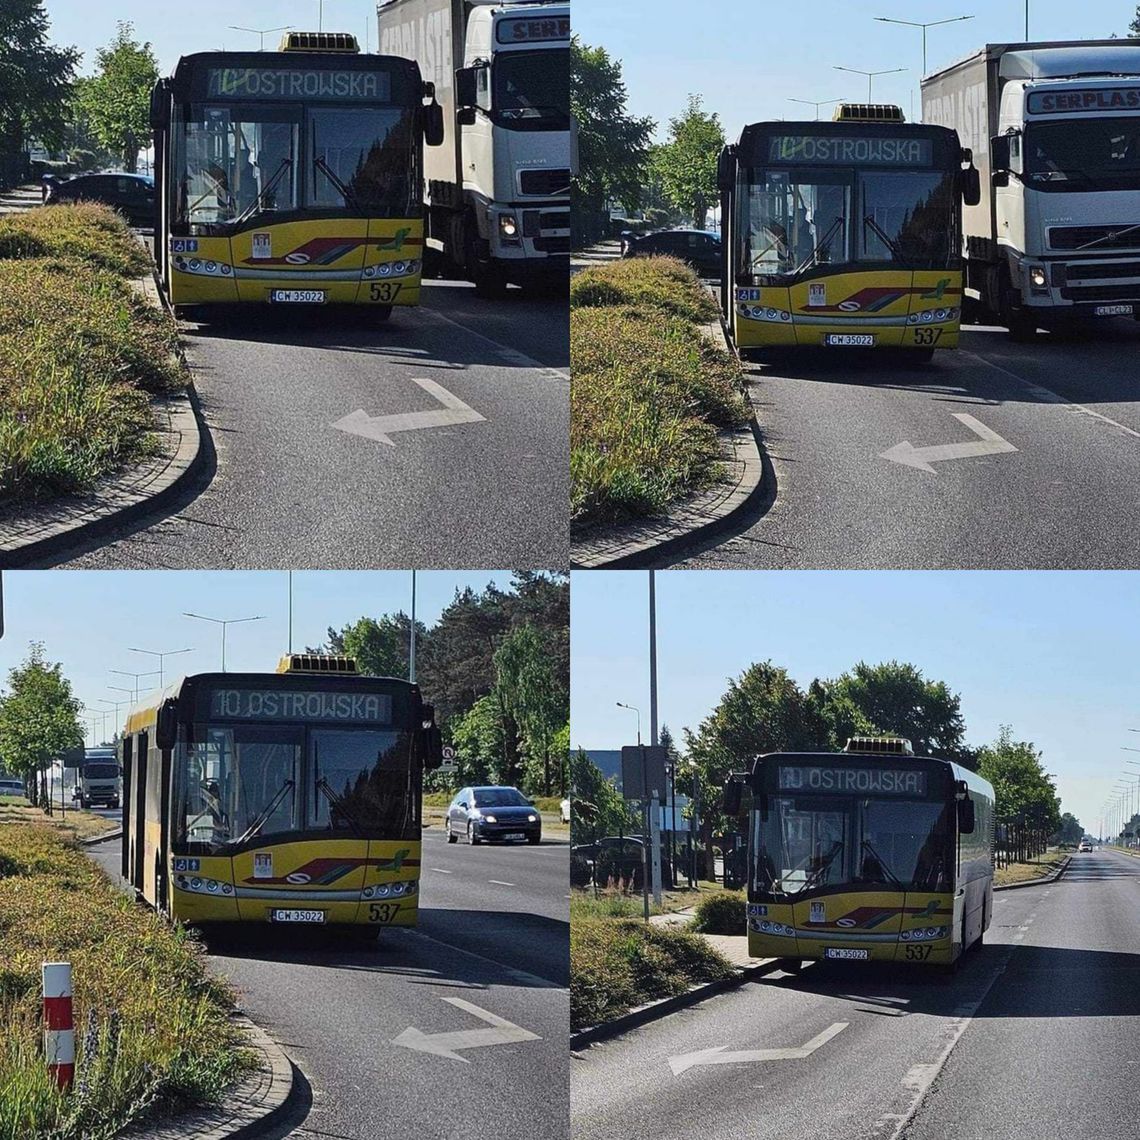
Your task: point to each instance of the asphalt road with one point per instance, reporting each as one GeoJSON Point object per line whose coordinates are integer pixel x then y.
{"type": "Point", "coordinates": [494, 934]}
{"type": "Point", "coordinates": [1033, 1038]}
{"type": "Point", "coordinates": [288, 488]}
{"type": "Point", "coordinates": [1057, 489]}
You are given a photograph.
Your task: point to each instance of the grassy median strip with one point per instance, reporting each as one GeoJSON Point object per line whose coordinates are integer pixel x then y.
{"type": "Point", "coordinates": [650, 391]}
{"type": "Point", "coordinates": [79, 822]}
{"type": "Point", "coordinates": [152, 1028]}
{"type": "Point", "coordinates": [618, 962]}
{"type": "Point", "coordinates": [80, 352]}
{"type": "Point", "coordinates": [1035, 868]}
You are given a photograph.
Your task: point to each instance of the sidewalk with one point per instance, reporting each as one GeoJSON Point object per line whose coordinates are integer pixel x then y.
{"type": "Point", "coordinates": [733, 946]}
{"type": "Point", "coordinates": [597, 254]}
{"type": "Point", "coordinates": [20, 198]}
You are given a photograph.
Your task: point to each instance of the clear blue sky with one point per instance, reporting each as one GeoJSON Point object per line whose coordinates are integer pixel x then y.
{"type": "Point", "coordinates": [177, 29]}
{"type": "Point", "coordinates": [748, 56]}
{"type": "Point", "coordinates": [1052, 654]}
{"type": "Point", "coordinates": [88, 620]}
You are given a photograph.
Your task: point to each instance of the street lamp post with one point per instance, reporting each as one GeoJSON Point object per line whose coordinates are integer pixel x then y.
{"type": "Point", "coordinates": [814, 103]}
{"type": "Point", "coordinates": [260, 32]}
{"type": "Point", "coordinates": [161, 657]}
{"type": "Point", "coordinates": [923, 26]}
{"type": "Point", "coordinates": [223, 624]}
{"type": "Point", "coordinates": [136, 676]}
{"type": "Point", "coordinates": [644, 814]}
{"type": "Point", "coordinates": [869, 74]}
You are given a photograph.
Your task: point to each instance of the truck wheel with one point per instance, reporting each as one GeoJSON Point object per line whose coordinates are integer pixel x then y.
{"type": "Point", "coordinates": [1022, 327]}
{"type": "Point", "coordinates": [486, 277]}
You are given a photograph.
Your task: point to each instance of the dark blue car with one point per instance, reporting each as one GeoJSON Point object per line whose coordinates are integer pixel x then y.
{"type": "Point", "coordinates": [493, 812]}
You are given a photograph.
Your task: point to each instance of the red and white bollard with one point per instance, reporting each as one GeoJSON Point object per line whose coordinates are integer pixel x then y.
{"type": "Point", "coordinates": [59, 1028]}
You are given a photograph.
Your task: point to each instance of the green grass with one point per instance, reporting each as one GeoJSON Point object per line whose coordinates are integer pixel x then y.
{"type": "Point", "coordinates": [80, 352]}
{"type": "Point", "coordinates": [152, 1028]}
{"type": "Point", "coordinates": [649, 392]}
{"type": "Point", "coordinates": [617, 963]}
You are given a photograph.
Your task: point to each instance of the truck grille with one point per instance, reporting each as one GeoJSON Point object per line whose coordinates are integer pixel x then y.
{"type": "Point", "coordinates": [544, 183]}
{"type": "Point", "coordinates": [1106, 237]}
{"type": "Point", "coordinates": [1100, 271]}
{"type": "Point", "coordinates": [1102, 293]}
{"type": "Point", "coordinates": [552, 244]}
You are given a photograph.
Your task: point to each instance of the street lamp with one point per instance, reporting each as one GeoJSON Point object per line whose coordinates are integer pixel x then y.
{"type": "Point", "coordinates": [636, 710]}
{"type": "Point", "coordinates": [223, 624]}
{"type": "Point", "coordinates": [117, 704]}
{"type": "Point", "coordinates": [814, 103]}
{"type": "Point", "coordinates": [262, 32]}
{"type": "Point", "coordinates": [161, 657]}
{"type": "Point", "coordinates": [136, 676]}
{"type": "Point", "coordinates": [869, 74]}
{"type": "Point", "coordinates": [923, 26]}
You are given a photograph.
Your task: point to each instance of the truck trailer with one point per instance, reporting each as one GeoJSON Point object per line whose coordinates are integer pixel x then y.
{"type": "Point", "coordinates": [1055, 133]}
{"type": "Point", "coordinates": [497, 191]}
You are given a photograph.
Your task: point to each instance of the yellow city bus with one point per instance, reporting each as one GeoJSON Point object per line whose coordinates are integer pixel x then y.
{"type": "Point", "coordinates": [870, 854]}
{"type": "Point", "coordinates": [292, 177]}
{"type": "Point", "coordinates": [845, 234]}
{"type": "Point", "coordinates": [287, 797]}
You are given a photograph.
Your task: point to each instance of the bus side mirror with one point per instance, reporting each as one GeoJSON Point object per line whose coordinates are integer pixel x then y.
{"type": "Point", "coordinates": [465, 95]}
{"type": "Point", "coordinates": [971, 186]}
{"type": "Point", "coordinates": [160, 105]}
{"type": "Point", "coordinates": [166, 725]}
{"type": "Point", "coordinates": [431, 740]}
{"type": "Point", "coordinates": [966, 816]}
{"type": "Point", "coordinates": [726, 170]}
{"type": "Point", "coordinates": [433, 124]}
{"type": "Point", "coordinates": [733, 794]}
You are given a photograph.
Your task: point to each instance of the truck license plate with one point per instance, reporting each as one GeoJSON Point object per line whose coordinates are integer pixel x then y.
{"type": "Point", "coordinates": [850, 340]}
{"type": "Point", "coordinates": [297, 916]}
{"type": "Point", "coordinates": [298, 296]}
{"type": "Point", "coordinates": [835, 952]}
{"type": "Point", "coordinates": [1114, 310]}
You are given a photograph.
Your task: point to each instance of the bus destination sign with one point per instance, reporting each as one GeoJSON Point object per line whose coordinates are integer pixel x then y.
{"type": "Point", "coordinates": [845, 150]}
{"type": "Point", "coordinates": [853, 781]}
{"type": "Point", "coordinates": [293, 83]}
{"type": "Point", "coordinates": [281, 705]}
{"type": "Point", "coordinates": [515, 30]}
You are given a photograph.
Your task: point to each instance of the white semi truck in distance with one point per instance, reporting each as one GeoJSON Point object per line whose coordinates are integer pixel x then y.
{"type": "Point", "coordinates": [99, 780]}
{"type": "Point", "coordinates": [1055, 133]}
{"type": "Point", "coordinates": [498, 190]}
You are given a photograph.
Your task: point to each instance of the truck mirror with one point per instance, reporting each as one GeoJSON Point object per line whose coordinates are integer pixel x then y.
{"type": "Point", "coordinates": [465, 116]}
{"type": "Point", "coordinates": [971, 186]}
{"type": "Point", "coordinates": [1000, 178]}
{"type": "Point", "coordinates": [733, 793]}
{"type": "Point", "coordinates": [726, 170]}
{"type": "Point", "coordinates": [966, 816]}
{"type": "Point", "coordinates": [166, 725]}
{"type": "Point", "coordinates": [999, 153]}
{"type": "Point", "coordinates": [433, 124]}
{"type": "Point", "coordinates": [465, 95]}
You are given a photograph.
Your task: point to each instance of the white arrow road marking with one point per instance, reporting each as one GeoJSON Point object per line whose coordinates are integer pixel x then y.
{"type": "Point", "coordinates": [454, 411]}
{"type": "Point", "coordinates": [988, 443]}
{"type": "Point", "coordinates": [718, 1056]}
{"type": "Point", "coordinates": [502, 1032]}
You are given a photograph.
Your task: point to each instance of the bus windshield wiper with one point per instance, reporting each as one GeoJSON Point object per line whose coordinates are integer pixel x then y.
{"type": "Point", "coordinates": [821, 245]}
{"type": "Point", "coordinates": [821, 871]}
{"type": "Point", "coordinates": [891, 877]}
{"type": "Point", "coordinates": [885, 238]}
{"type": "Point", "coordinates": [1111, 236]}
{"type": "Point", "coordinates": [346, 193]}
{"type": "Point", "coordinates": [263, 818]}
{"type": "Point", "coordinates": [255, 206]}
{"type": "Point", "coordinates": [338, 803]}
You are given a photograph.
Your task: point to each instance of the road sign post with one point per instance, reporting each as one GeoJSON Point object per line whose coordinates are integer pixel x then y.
{"type": "Point", "coordinates": [643, 777]}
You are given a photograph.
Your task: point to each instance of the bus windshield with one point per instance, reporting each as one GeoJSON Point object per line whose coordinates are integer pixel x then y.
{"type": "Point", "coordinates": [532, 90]}
{"type": "Point", "coordinates": [813, 842]}
{"type": "Point", "coordinates": [1094, 154]}
{"type": "Point", "coordinates": [363, 158]}
{"type": "Point", "coordinates": [795, 221]}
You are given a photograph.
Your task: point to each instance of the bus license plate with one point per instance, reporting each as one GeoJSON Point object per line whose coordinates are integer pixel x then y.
{"type": "Point", "coordinates": [849, 340]}
{"type": "Point", "coordinates": [298, 296]}
{"type": "Point", "coordinates": [297, 916]}
{"type": "Point", "coordinates": [514, 835]}
{"type": "Point", "coordinates": [834, 952]}
{"type": "Point", "coordinates": [1114, 310]}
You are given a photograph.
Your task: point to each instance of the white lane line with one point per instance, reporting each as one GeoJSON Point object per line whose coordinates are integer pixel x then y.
{"type": "Point", "coordinates": [500, 883]}
{"type": "Point", "coordinates": [453, 411]}
{"type": "Point", "coordinates": [439, 870]}
{"type": "Point", "coordinates": [987, 443]}
{"type": "Point", "coordinates": [505, 351]}
{"type": "Point", "coordinates": [1048, 396]}
{"type": "Point", "coordinates": [718, 1055]}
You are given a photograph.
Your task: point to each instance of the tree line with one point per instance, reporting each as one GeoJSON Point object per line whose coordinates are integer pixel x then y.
{"type": "Point", "coordinates": [766, 710]}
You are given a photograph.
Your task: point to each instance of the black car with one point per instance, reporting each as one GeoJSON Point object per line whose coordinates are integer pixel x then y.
{"type": "Point", "coordinates": [618, 857]}
{"type": "Point", "coordinates": [492, 812]}
{"type": "Point", "coordinates": [695, 247]}
{"type": "Point", "coordinates": [131, 194]}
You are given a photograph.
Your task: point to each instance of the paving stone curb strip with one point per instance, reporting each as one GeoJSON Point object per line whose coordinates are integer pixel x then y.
{"type": "Point", "coordinates": [33, 534]}
{"type": "Point", "coordinates": [629, 545]}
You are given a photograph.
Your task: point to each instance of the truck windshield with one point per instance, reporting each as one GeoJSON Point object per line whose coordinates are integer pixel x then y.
{"type": "Point", "coordinates": [532, 90]}
{"type": "Point", "coordinates": [100, 771]}
{"type": "Point", "coordinates": [795, 221]}
{"type": "Point", "coordinates": [1083, 154]}
{"type": "Point", "coordinates": [812, 842]}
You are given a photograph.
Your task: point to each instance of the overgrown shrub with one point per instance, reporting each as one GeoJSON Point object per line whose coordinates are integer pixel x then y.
{"type": "Point", "coordinates": [723, 912]}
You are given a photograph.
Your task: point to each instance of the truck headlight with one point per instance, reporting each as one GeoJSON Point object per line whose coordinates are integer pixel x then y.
{"type": "Point", "coordinates": [1037, 278]}
{"type": "Point", "coordinates": [508, 226]}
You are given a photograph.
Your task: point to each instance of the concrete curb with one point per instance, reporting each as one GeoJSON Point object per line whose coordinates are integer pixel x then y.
{"type": "Point", "coordinates": [51, 529]}
{"type": "Point", "coordinates": [1050, 878]}
{"type": "Point", "coordinates": [631, 545]}
{"type": "Point", "coordinates": [658, 1009]}
{"type": "Point", "coordinates": [258, 1099]}
{"type": "Point", "coordinates": [116, 834]}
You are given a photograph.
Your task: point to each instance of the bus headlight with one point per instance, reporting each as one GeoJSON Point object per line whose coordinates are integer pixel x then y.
{"type": "Point", "coordinates": [389, 890]}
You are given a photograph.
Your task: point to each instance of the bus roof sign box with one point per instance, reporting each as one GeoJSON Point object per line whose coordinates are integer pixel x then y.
{"type": "Point", "coordinates": [638, 757]}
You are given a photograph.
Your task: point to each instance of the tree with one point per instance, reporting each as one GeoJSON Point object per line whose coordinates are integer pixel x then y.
{"type": "Point", "coordinates": [38, 720]}
{"type": "Point", "coordinates": [379, 645]}
{"type": "Point", "coordinates": [35, 79]}
{"type": "Point", "coordinates": [686, 164]}
{"type": "Point", "coordinates": [1134, 27]}
{"type": "Point", "coordinates": [480, 744]}
{"type": "Point", "coordinates": [896, 699]}
{"type": "Point", "coordinates": [599, 808]}
{"type": "Point", "coordinates": [116, 101]}
{"type": "Point", "coordinates": [1025, 794]}
{"type": "Point", "coordinates": [613, 146]}
{"type": "Point", "coordinates": [1070, 830]}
